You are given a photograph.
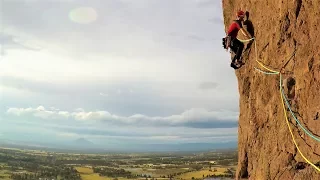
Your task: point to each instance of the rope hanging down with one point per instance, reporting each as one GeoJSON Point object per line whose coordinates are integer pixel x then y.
{"type": "Point", "coordinates": [282, 95]}
{"type": "Point", "coordinates": [288, 105]}
{"type": "Point", "coordinates": [292, 114]}
{"type": "Point", "coordinates": [256, 51]}
{"type": "Point", "coordinates": [294, 141]}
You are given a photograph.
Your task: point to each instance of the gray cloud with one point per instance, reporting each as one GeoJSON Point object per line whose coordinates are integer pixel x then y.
{"type": "Point", "coordinates": [143, 97]}
{"type": "Point", "coordinates": [195, 118]}
{"type": "Point", "coordinates": [207, 3]}
{"type": "Point", "coordinates": [121, 97]}
{"type": "Point", "coordinates": [173, 34]}
{"type": "Point", "coordinates": [216, 20]}
{"type": "Point", "coordinates": [145, 23]}
{"type": "Point", "coordinates": [136, 131]}
{"type": "Point", "coordinates": [123, 68]}
{"type": "Point", "coordinates": [13, 42]}
{"type": "Point", "coordinates": [208, 85]}
{"type": "Point", "coordinates": [198, 38]}
{"type": "Point", "coordinates": [180, 134]}
{"type": "Point", "coordinates": [92, 87]}
{"type": "Point", "coordinates": [72, 129]}
{"type": "Point", "coordinates": [30, 85]}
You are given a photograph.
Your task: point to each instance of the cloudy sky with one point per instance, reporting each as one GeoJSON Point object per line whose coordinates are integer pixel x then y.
{"type": "Point", "coordinates": [116, 71]}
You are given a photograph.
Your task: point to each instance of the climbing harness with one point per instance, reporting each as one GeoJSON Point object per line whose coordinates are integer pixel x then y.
{"type": "Point", "coordinates": [283, 98]}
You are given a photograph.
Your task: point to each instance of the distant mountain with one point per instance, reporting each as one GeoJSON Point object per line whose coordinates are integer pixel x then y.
{"type": "Point", "coordinates": [183, 147]}
{"type": "Point", "coordinates": [79, 144]}
{"type": "Point", "coordinates": [83, 142]}
{"type": "Point", "coordinates": [84, 145]}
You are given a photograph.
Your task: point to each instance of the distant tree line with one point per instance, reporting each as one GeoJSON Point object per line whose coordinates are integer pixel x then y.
{"type": "Point", "coordinates": [97, 162]}
{"type": "Point", "coordinates": [112, 172]}
{"type": "Point", "coordinates": [35, 166]}
{"type": "Point", "coordinates": [64, 173]}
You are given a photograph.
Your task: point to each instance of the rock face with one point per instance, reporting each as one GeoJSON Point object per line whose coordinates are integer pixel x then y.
{"type": "Point", "coordinates": [266, 148]}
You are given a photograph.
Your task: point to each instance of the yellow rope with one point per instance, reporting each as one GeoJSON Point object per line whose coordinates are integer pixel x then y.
{"type": "Point", "coordinates": [294, 141]}
{"type": "Point", "coordinates": [256, 51]}
{"type": "Point", "coordinates": [284, 109]}
{"type": "Point", "coordinates": [255, 44]}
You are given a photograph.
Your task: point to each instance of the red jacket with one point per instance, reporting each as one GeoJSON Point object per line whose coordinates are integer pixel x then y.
{"type": "Point", "coordinates": [234, 28]}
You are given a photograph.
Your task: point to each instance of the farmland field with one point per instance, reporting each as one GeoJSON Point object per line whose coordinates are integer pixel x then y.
{"type": "Point", "coordinates": [23, 164]}
{"type": "Point", "coordinates": [202, 173]}
{"type": "Point", "coordinates": [84, 170]}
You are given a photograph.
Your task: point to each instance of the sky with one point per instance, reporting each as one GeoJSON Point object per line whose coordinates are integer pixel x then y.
{"type": "Point", "coordinates": [116, 72]}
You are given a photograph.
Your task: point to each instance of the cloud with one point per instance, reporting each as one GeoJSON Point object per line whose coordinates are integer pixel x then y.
{"type": "Point", "coordinates": [216, 20]}
{"type": "Point", "coordinates": [68, 135]}
{"type": "Point", "coordinates": [54, 109]}
{"type": "Point", "coordinates": [125, 22]}
{"type": "Point", "coordinates": [79, 67]}
{"type": "Point", "coordinates": [206, 3]}
{"type": "Point", "coordinates": [195, 118]}
{"type": "Point", "coordinates": [195, 37]}
{"type": "Point", "coordinates": [14, 42]}
{"type": "Point", "coordinates": [104, 94]}
{"type": "Point", "coordinates": [39, 112]}
{"type": "Point", "coordinates": [123, 134]}
{"type": "Point", "coordinates": [30, 85]}
{"type": "Point", "coordinates": [101, 130]}
{"type": "Point", "coordinates": [181, 132]}
{"type": "Point", "coordinates": [148, 97]}
{"type": "Point", "coordinates": [208, 85]}
{"type": "Point", "coordinates": [79, 110]}
{"type": "Point", "coordinates": [83, 15]}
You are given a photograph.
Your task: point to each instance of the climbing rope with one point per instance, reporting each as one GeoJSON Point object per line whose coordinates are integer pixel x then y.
{"type": "Point", "coordinates": [256, 51]}
{"type": "Point", "coordinates": [264, 72]}
{"type": "Point", "coordinates": [282, 95]}
{"type": "Point", "coordinates": [288, 105]}
{"type": "Point", "coordinates": [292, 114]}
{"type": "Point", "coordinates": [294, 141]}
{"type": "Point", "coordinates": [246, 40]}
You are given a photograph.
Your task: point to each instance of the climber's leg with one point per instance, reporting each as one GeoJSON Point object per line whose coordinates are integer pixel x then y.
{"type": "Point", "coordinates": [239, 51]}
{"type": "Point", "coordinates": [233, 60]}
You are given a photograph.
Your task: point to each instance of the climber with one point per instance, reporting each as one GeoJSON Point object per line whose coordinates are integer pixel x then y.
{"type": "Point", "coordinates": [231, 40]}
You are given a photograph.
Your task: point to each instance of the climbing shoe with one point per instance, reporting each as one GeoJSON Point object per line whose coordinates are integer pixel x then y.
{"type": "Point", "coordinates": [234, 66]}
{"type": "Point", "coordinates": [240, 62]}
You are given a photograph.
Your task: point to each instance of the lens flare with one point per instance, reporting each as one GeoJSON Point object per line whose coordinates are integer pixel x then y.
{"type": "Point", "coordinates": [83, 15]}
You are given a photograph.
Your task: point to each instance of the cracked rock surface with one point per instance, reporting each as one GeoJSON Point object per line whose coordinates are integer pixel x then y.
{"type": "Point", "coordinates": [266, 149]}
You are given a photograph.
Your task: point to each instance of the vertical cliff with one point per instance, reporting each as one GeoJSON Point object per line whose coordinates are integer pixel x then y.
{"type": "Point", "coordinates": [266, 148]}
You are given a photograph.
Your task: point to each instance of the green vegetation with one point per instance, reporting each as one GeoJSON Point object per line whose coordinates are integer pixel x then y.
{"type": "Point", "coordinates": [26, 165]}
